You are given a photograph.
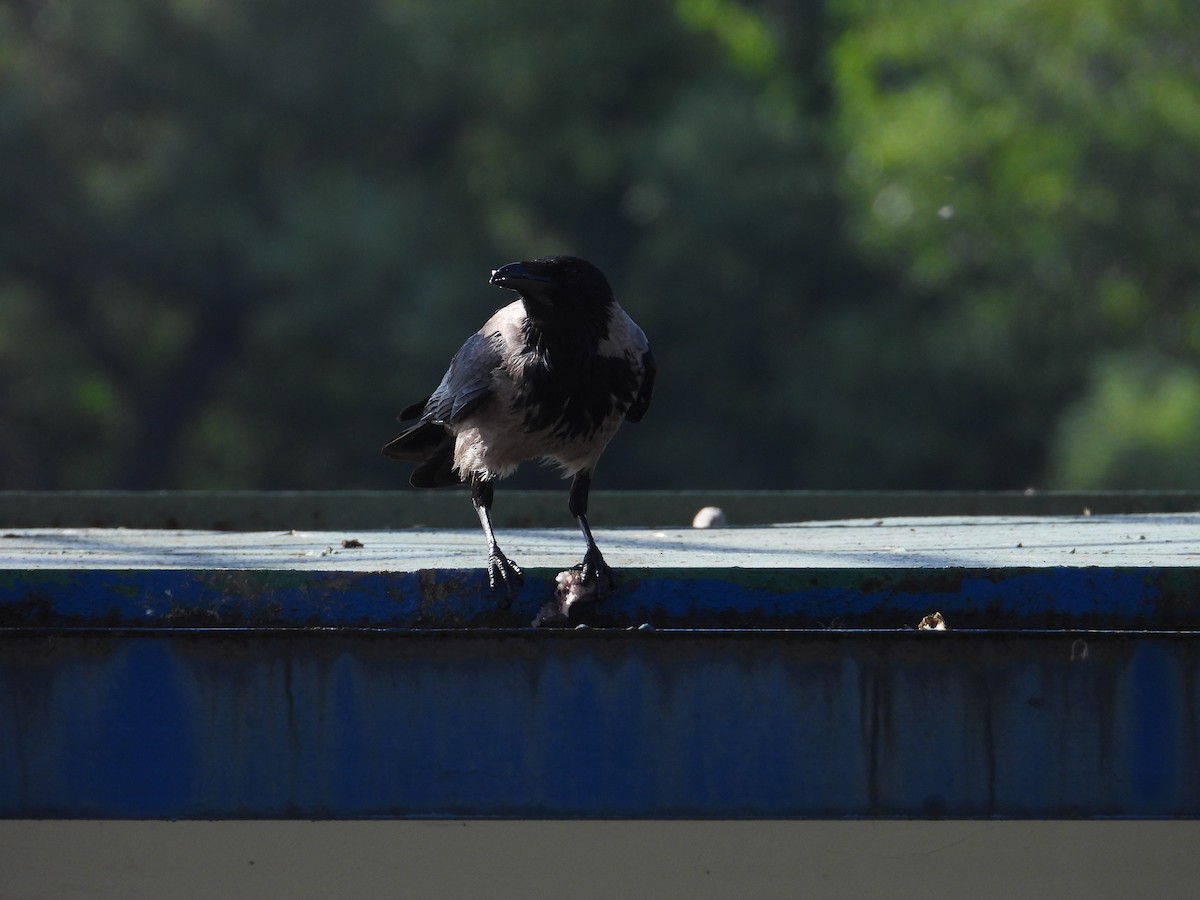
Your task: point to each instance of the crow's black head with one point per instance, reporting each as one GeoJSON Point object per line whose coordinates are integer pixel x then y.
{"type": "Point", "coordinates": [556, 285]}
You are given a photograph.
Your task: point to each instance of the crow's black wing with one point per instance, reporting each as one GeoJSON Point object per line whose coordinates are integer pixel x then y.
{"type": "Point", "coordinates": [466, 384]}
{"type": "Point", "coordinates": [468, 381]}
{"type": "Point", "coordinates": [412, 410]}
{"type": "Point", "coordinates": [641, 402]}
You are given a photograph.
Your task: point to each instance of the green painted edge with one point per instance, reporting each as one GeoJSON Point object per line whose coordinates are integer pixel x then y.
{"type": "Point", "coordinates": [332, 510]}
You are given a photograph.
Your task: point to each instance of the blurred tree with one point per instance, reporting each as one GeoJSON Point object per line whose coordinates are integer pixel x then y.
{"type": "Point", "coordinates": [190, 174]}
{"type": "Point", "coordinates": [916, 249]}
{"type": "Point", "coordinates": [1028, 165]}
{"type": "Point", "coordinates": [1136, 428]}
{"type": "Point", "coordinates": [251, 231]}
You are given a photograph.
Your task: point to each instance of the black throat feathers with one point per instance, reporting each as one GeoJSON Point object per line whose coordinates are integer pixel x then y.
{"type": "Point", "coordinates": [569, 388]}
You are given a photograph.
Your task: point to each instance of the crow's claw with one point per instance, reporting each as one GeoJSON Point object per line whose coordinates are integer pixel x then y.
{"type": "Point", "coordinates": [501, 568]}
{"type": "Point", "coordinates": [595, 573]}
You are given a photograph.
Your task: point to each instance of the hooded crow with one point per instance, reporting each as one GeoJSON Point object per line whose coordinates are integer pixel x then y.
{"type": "Point", "coordinates": [551, 377]}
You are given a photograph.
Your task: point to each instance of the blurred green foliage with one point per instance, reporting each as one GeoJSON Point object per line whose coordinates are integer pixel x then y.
{"type": "Point", "coordinates": [931, 244]}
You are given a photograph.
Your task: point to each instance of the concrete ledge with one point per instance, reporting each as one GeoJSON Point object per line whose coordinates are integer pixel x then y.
{"type": "Point", "coordinates": [204, 674]}
{"type": "Point", "coordinates": [1072, 572]}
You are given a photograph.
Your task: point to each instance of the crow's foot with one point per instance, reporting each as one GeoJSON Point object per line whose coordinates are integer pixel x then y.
{"type": "Point", "coordinates": [594, 572]}
{"type": "Point", "coordinates": [502, 569]}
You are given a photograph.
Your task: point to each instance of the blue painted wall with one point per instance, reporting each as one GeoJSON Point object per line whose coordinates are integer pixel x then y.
{"type": "Point", "coordinates": [1156, 598]}
{"type": "Point", "coordinates": [224, 722]}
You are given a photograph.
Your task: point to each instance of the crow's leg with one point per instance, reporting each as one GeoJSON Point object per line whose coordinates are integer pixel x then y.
{"type": "Point", "coordinates": [593, 569]}
{"type": "Point", "coordinates": [499, 565]}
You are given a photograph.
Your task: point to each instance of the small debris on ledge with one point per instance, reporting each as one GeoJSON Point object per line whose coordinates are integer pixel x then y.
{"type": "Point", "coordinates": [710, 517]}
{"type": "Point", "coordinates": [932, 622]}
{"type": "Point", "coordinates": [568, 592]}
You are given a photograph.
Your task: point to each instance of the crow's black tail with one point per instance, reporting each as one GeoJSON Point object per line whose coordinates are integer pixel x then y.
{"type": "Point", "coordinates": [431, 446]}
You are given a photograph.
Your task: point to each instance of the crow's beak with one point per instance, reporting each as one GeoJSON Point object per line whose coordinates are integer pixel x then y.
{"type": "Point", "coordinates": [516, 277]}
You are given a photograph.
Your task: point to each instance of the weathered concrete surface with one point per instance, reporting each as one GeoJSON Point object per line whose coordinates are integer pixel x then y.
{"type": "Point", "coordinates": [1084, 572]}
{"type": "Point", "coordinates": [940, 542]}
{"type": "Point", "coordinates": [899, 860]}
